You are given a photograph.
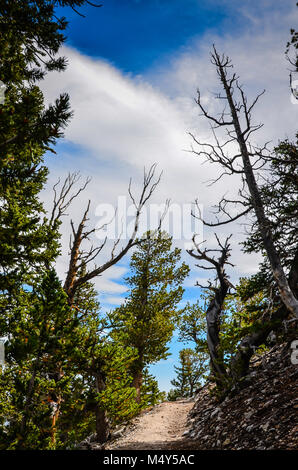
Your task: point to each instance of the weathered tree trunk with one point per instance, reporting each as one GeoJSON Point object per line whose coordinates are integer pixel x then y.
{"type": "Point", "coordinates": [102, 422]}
{"type": "Point", "coordinates": [78, 255]}
{"type": "Point", "coordinates": [137, 383]}
{"type": "Point", "coordinates": [28, 401]}
{"type": "Point", "coordinates": [293, 275]}
{"type": "Point", "coordinates": [102, 425]}
{"type": "Point", "coordinates": [287, 296]}
{"type": "Point", "coordinates": [216, 305]}
{"type": "Point", "coordinates": [213, 327]}
{"type": "Point", "coordinates": [55, 402]}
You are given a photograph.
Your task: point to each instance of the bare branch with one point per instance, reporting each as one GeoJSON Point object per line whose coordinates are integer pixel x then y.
{"type": "Point", "coordinates": [219, 122]}
{"type": "Point", "coordinates": [216, 303]}
{"type": "Point", "coordinates": [64, 198]}
{"type": "Point", "coordinates": [239, 111]}
{"type": "Point", "coordinates": [79, 258]}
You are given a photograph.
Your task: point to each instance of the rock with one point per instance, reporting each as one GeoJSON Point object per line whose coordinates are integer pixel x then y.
{"type": "Point", "coordinates": [265, 426]}
{"type": "Point", "coordinates": [253, 373]}
{"type": "Point", "coordinates": [248, 415]}
{"type": "Point", "coordinates": [265, 408]}
{"type": "Point", "coordinates": [217, 410]}
{"type": "Point", "coordinates": [268, 403]}
{"type": "Point", "coordinates": [250, 428]}
{"type": "Point", "coordinates": [97, 446]}
{"type": "Point", "coordinates": [117, 433]}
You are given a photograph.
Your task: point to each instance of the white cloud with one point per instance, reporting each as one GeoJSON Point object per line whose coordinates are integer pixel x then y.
{"type": "Point", "coordinates": [113, 300]}
{"type": "Point", "coordinates": [107, 284]}
{"type": "Point", "coordinates": [118, 117]}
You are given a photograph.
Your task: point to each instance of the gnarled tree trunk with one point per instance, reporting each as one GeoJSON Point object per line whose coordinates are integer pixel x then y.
{"type": "Point", "coordinates": [137, 383]}
{"type": "Point", "coordinates": [215, 307]}
{"type": "Point", "coordinates": [213, 327]}
{"type": "Point", "coordinates": [102, 422]}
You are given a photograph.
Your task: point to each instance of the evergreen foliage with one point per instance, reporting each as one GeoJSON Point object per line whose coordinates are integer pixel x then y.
{"type": "Point", "coordinates": [39, 338]}
{"type": "Point", "coordinates": [147, 319]}
{"type": "Point", "coordinates": [150, 393]}
{"type": "Point", "coordinates": [192, 324]}
{"type": "Point", "coordinates": [188, 375]}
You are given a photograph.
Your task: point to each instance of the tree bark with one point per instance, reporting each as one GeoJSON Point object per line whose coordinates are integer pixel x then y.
{"type": "Point", "coordinates": [102, 425]}
{"type": "Point", "coordinates": [101, 419]}
{"type": "Point", "coordinates": [216, 305]}
{"type": "Point", "coordinates": [213, 327]}
{"type": "Point", "coordinates": [137, 383]}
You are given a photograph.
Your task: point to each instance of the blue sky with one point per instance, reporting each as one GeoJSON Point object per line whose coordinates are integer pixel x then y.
{"type": "Point", "coordinates": [134, 34]}
{"type": "Point", "coordinates": [134, 67]}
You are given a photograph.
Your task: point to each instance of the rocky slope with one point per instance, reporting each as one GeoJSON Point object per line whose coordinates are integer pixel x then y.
{"type": "Point", "coordinates": [263, 415]}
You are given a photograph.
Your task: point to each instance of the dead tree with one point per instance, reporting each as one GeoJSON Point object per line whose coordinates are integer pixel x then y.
{"type": "Point", "coordinates": [78, 273]}
{"type": "Point", "coordinates": [215, 306]}
{"type": "Point", "coordinates": [81, 257]}
{"type": "Point", "coordinates": [237, 121]}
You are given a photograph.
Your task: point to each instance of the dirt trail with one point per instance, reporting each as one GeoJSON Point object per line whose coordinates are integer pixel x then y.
{"type": "Point", "coordinates": [161, 428]}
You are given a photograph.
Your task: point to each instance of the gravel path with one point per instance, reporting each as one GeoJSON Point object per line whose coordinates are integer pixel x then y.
{"type": "Point", "coordinates": [161, 428]}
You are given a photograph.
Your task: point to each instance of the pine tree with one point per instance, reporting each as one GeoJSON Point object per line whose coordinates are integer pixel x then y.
{"type": "Point", "coordinates": [34, 314]}
{"type": "Point", "coordinates": [31, 36]}
{"type": "Point", "coordinates": [150, 394]}
{"type": "Point", "coordinates": [33, 378]}
{"type": "Point", "coordinates": [147, 319]}
{"type": "Point", "coordinates": [192, 324]}
{"type": "Point", "coordinates": [99, 368]}
{"type": "Point", "coordinates": [189, 374]}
